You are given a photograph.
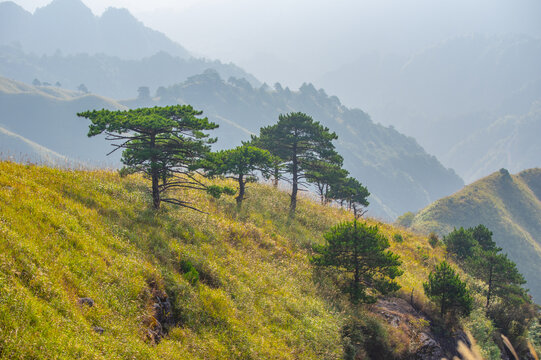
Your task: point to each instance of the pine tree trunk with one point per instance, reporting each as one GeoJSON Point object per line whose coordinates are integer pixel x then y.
{"type": "Point", "coordinates": [240, 196]}
{"type": "Point", "coordinates": [295, 189]}
{"type": "Point", "coordinates": [155, 175]}
{"type": "Point", "coordinates": [489, 287]}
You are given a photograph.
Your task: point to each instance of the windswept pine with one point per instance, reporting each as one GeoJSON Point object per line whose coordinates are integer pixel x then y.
{"type": "Point", "coordinates": [161, 142]}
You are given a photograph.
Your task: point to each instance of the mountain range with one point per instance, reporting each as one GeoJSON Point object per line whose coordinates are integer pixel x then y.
{"type": "Point", "coordinates": [70, 27]}
{"type": "Point", "coordinates": [41, 122]}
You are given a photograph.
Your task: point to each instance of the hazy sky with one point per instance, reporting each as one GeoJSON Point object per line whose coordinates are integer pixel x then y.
{"type": "Point", "coordinates": [295, 41]}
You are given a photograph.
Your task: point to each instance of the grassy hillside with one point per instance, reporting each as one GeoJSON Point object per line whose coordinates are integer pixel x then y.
{"type": "Point", "coordinates": [509, 205]}
{"type": "Point", "coordinates": [240, 284]}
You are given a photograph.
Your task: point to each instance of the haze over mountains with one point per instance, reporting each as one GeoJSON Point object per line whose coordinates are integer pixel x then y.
{"type": "Point", "coordinates": [446, 96]}
{"type": "Point", "coordinates": [449, 93]}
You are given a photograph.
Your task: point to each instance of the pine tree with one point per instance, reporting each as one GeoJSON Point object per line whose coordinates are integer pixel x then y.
{"type": "Point", "coordinates": [241, 164]}
{"type": "Point", "coordinates": [161, 142]}
{"type": "Point", "coordinates": [460, 243]}
{"type": "Point", "coordinates": [326, 174]}
{"type": "Point", "coordinates": [361, 251]}
{"type": "Point", "coordinates": [298, 141]}
{"type": "Point", "coordinates": [352, 192]}
{"type": "Point", "coordinates": [445, 288]}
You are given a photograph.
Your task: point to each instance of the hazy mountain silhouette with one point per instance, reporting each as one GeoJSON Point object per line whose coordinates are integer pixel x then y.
{"type": "Point", "coordinates": [47, 116]}
{"type": "Point", "coordinates": [72, 28]}
{"type": "Point", "coordinates": [17, 148]}
{"type": "Point", "coordinates": [447, 92]}
{"type": "Point", "coordinates": [108, 75]}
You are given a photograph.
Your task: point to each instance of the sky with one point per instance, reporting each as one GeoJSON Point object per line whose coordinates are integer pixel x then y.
{"type": "Point", "coordinates": [292, 41]}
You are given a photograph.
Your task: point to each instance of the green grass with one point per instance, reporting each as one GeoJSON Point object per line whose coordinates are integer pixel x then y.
{"type": "Point", "coordinates": [240, 282]}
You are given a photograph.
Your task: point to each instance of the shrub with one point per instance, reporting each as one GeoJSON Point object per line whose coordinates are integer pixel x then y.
{"type": "Point", "coordinates": [433, 239]}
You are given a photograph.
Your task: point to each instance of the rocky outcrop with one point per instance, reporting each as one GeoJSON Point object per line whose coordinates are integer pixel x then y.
{"type": "Point", "coordinates": [424, 343]}
{"type": "Point", "coordinates": [160, 320]}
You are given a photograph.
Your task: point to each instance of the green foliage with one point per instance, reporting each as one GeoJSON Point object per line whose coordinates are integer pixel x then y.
{"type": "Point", "coordinates": [365, 337]}
{"type": "Point", "coordinates": [483, 236]}
{"type": "Point", "coordinates": [483, 331]}
{"type": "Point", "coordinates": [482, 258]}
{"type": "Point", "coordinates": [398, 238]}
{"type": "Point", "coordinates": [352, 192]}
{"type": "Point", "coordinates": [298, 141]}
{"type": "Point", "coordinates": [460, 243]}
{"type": "Point", "coordinates": [190, 273]}
{"type": "Point", "coordinates": [499, 273]}
{"type": "Point", "coordinates": [326, 174]}
{"type": "Point", "coordinates": [360, 251]}
{"type": "Point", "coordinates": [240, 164]}
{"type": "Point", "coordinates": [445, 288]}
{"type": "Point", "coordinates": [161, 142]}
{"type": "Point", "coordinates": [513, 317]}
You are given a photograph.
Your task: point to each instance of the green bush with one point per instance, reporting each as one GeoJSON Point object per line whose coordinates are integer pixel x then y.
{"type": "Point", "coordinates": [189, 272]}
{"type": "Point", "coordinates": [366, 338]}
{"type": "Point", "coordinates": [433, 239]}
{"type": "Point", "coordinates": [398, 238]}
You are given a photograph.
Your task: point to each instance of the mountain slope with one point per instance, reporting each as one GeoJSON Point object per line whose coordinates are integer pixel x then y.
{"type": "Point", "coordinates": [47, 116]}
{"type": "Point", "coordinates": [116, 32]}
{"type": "Point", "coordinates": [509, 205]}
{"type": "Point", "coordinates": [235, 285]}
{"type": "Point", "coordinates": [400, 175]}
{"type": "Point", "coordinates": [17, 148]}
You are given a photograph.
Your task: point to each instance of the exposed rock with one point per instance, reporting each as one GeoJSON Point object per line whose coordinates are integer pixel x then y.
{"type": "Point", "coordinates": [86, 301]}
{"type": "Point", "coordinates": [98, 329]}
{"type": "Point", "coordinates": [160, 320]}
{"type": "Point", "coordinates": [424, 343]}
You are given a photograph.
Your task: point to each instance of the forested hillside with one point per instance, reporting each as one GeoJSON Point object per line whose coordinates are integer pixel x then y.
{"type": "Point", "coordinates": [509, 205]}
{"type": "Point", "coordinates": [107, 75]}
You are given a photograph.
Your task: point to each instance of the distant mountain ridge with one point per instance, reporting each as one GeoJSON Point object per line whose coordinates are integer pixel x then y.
{"type": "Point", "coordinates": [71, 27]}
{"type": "Point", "coordinates": [109, 75]}
{"type": "Point", "coordinates": [509, 205]}
{"type": "Point", "coordinates": [447, 92]}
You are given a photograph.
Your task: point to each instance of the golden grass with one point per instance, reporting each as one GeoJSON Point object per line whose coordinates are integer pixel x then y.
{"type": "Point", "coordinates": [70, 234]}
